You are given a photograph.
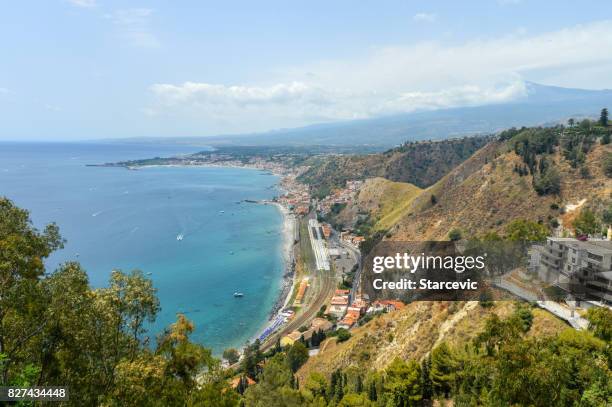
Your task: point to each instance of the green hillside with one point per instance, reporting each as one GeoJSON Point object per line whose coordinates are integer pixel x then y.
{"type": "Point", "coordinates": [418, 163]}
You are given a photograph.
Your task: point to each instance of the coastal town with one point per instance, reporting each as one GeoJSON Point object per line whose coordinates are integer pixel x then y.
{"type": "Point", "coordinates": [321, 302]}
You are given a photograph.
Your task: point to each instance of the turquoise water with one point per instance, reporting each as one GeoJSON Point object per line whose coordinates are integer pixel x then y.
{"type": "Point", "coordinates": [116, 218]}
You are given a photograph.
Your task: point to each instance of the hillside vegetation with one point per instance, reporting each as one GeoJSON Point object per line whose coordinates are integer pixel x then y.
{"type": "Point", "coordinates": [418, 163]}
{"type": "Point", "coordinates": [411, 333]}
{"type": "Point", "coordinates": [383, 202]}
{"type": "Point", "coordinates": [529, 174]}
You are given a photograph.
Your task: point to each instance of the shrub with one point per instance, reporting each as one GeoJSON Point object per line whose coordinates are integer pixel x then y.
{"type": "Point", "coordinates": [454, 235]}
{"type": "Point", "coordinates": [549, 183]}
{"type": "Point", "coordinates": [342, 335]}
{"type": "Point", "coordinates": [231, 355]}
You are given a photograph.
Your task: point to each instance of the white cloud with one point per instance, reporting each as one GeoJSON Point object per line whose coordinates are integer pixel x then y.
{"type": "Point", "coordinates": [4, 91]}
{"type": "Point", "coordinates": [133, 26]}
{"type": "Point", "coordinates": [238, 95]}
{"type": "Point", "coordinates": [425, 17]}
{"type": "Point", "coordinates": [427, 75]}
{"type": "Point", "coordinates": [83, 3]}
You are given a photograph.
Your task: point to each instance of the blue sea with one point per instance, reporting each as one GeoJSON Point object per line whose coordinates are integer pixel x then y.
{"type": "Point", "coordinates": [114, 218]}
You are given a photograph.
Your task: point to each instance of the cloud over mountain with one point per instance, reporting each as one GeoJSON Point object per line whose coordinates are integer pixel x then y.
{"type": "Point", "coordinates": [388, 80]}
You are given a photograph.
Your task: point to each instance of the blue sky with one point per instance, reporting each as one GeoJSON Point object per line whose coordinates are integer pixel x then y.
{"type": "Point", "coordinates": [87, 69]}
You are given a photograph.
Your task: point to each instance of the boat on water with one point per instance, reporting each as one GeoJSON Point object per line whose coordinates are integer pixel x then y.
{"type": "Point", "coordinates": [238, 294]}
{"type": "Point", "coordinates": [180, 237]}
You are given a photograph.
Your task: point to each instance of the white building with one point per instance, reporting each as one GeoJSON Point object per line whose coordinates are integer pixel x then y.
{"type": "Point", "coordinates": [583, 268]}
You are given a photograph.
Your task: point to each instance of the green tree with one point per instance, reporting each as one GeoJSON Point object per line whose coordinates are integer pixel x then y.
{"type": "Point", "coordinates": [56, 329]}
{"type": "Point", "coordinates": [498, 332]}
{"type": "Point", "coordinates": [214, 393]}
{"type": "Point", "coordinates": [22, 252]}
{"type": "Point", "coordinates": [600, 322]}
{"type": "Point", "coordinates": [372, 393]}
{"type": "Point", "coordinates": [547, 183]}
{"type": "Point", "coordinates": [485, 299]}
{"type": "Point", "coordinates": [133, 300]}
{"type": "Point", "coordinates": [403, 383]}
{"type": "Point", "coordinates": [343, 335]}
{"type": "Point", "coordinates": [184, 359]}
{"type": "Point", "coordinates": [297, 355]}
{"type": "Point", "coordinates": [275, 387]}
{"type": "Point", "coordinates": [585, 125]}
{"type": "Point", "coordinates": [355, 400]}
{"type": "Point", "coordinates": [526, 230]}
{"type": "Point", "coordinates": [336, 385]}
{"type": "Point", "coordinates": [426, 385]}
{"type": "Point", "coordinates": [316, 385]}
{"type": "Point", "coordinates": [231, 355]}
{"type": "Point", "coordinates": [603, 117]}
{"type": "Point", "coordinates": [524, 316]}
{"type": "Point", "coordinates": [442, 372]}
{"type": "Point", "coordinates": [454, 235]}
{"type": "Point", "coordinates": [586, 223]}
{"type": "Point", "coordinates": [251, 358]}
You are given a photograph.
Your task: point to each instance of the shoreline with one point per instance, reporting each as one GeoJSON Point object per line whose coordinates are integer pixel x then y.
{"type": "Point", "coordinates": [209, 165]}
{"type": "Point", "coordinates": [288, 281]}
{"type": "Point", "coordinates": [289, 224]}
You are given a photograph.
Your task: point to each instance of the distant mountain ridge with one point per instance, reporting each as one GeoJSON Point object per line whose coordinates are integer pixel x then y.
{"type": "Point", "coordinates": [542, 105]}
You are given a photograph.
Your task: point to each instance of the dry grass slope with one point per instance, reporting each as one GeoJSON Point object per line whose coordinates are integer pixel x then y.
{"type": "Point", "coordinates": [412, 332]}
{"type": "Point", "coordinates": [485, 194]}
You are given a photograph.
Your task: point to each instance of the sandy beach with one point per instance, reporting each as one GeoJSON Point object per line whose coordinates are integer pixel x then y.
{"type": "Point", "coordinates": [289, 225]}
{"type": "Point", "coordinates": [288, 278]}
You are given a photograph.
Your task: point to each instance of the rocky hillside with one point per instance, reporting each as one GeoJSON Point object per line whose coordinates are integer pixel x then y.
{"type": "Point", "coordinates": [495, 186]}
{"type": "Point", "coordinates": [418, 163]}
{"type": "Point", "coordinates": [412, 332]}
{"type": "Point", "coordinates": [545, 175]}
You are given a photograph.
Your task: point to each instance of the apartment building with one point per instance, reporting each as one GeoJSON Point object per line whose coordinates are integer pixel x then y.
{"type": "Point", "coordinates": [583, 268]}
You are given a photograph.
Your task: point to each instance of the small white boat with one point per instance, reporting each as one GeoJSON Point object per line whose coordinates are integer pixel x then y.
{"type": "Point", "coordinates": [238, 294]}
{"type": "Point", "coordinates": [221, 211]}
{"type": "Point", "coordinates": [179, 237]}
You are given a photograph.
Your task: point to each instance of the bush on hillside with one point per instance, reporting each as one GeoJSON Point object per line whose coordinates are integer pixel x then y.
{"type": "Point", "coordinates": [548, 183]}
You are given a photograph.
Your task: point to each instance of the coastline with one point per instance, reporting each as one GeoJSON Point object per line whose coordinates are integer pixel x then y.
{"type": "Point", "coordinates": [289, 224]}
{"type": "Point", "coordinates": [208, 165]}
{"type": "Point", "coordinates": [288, 280]}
